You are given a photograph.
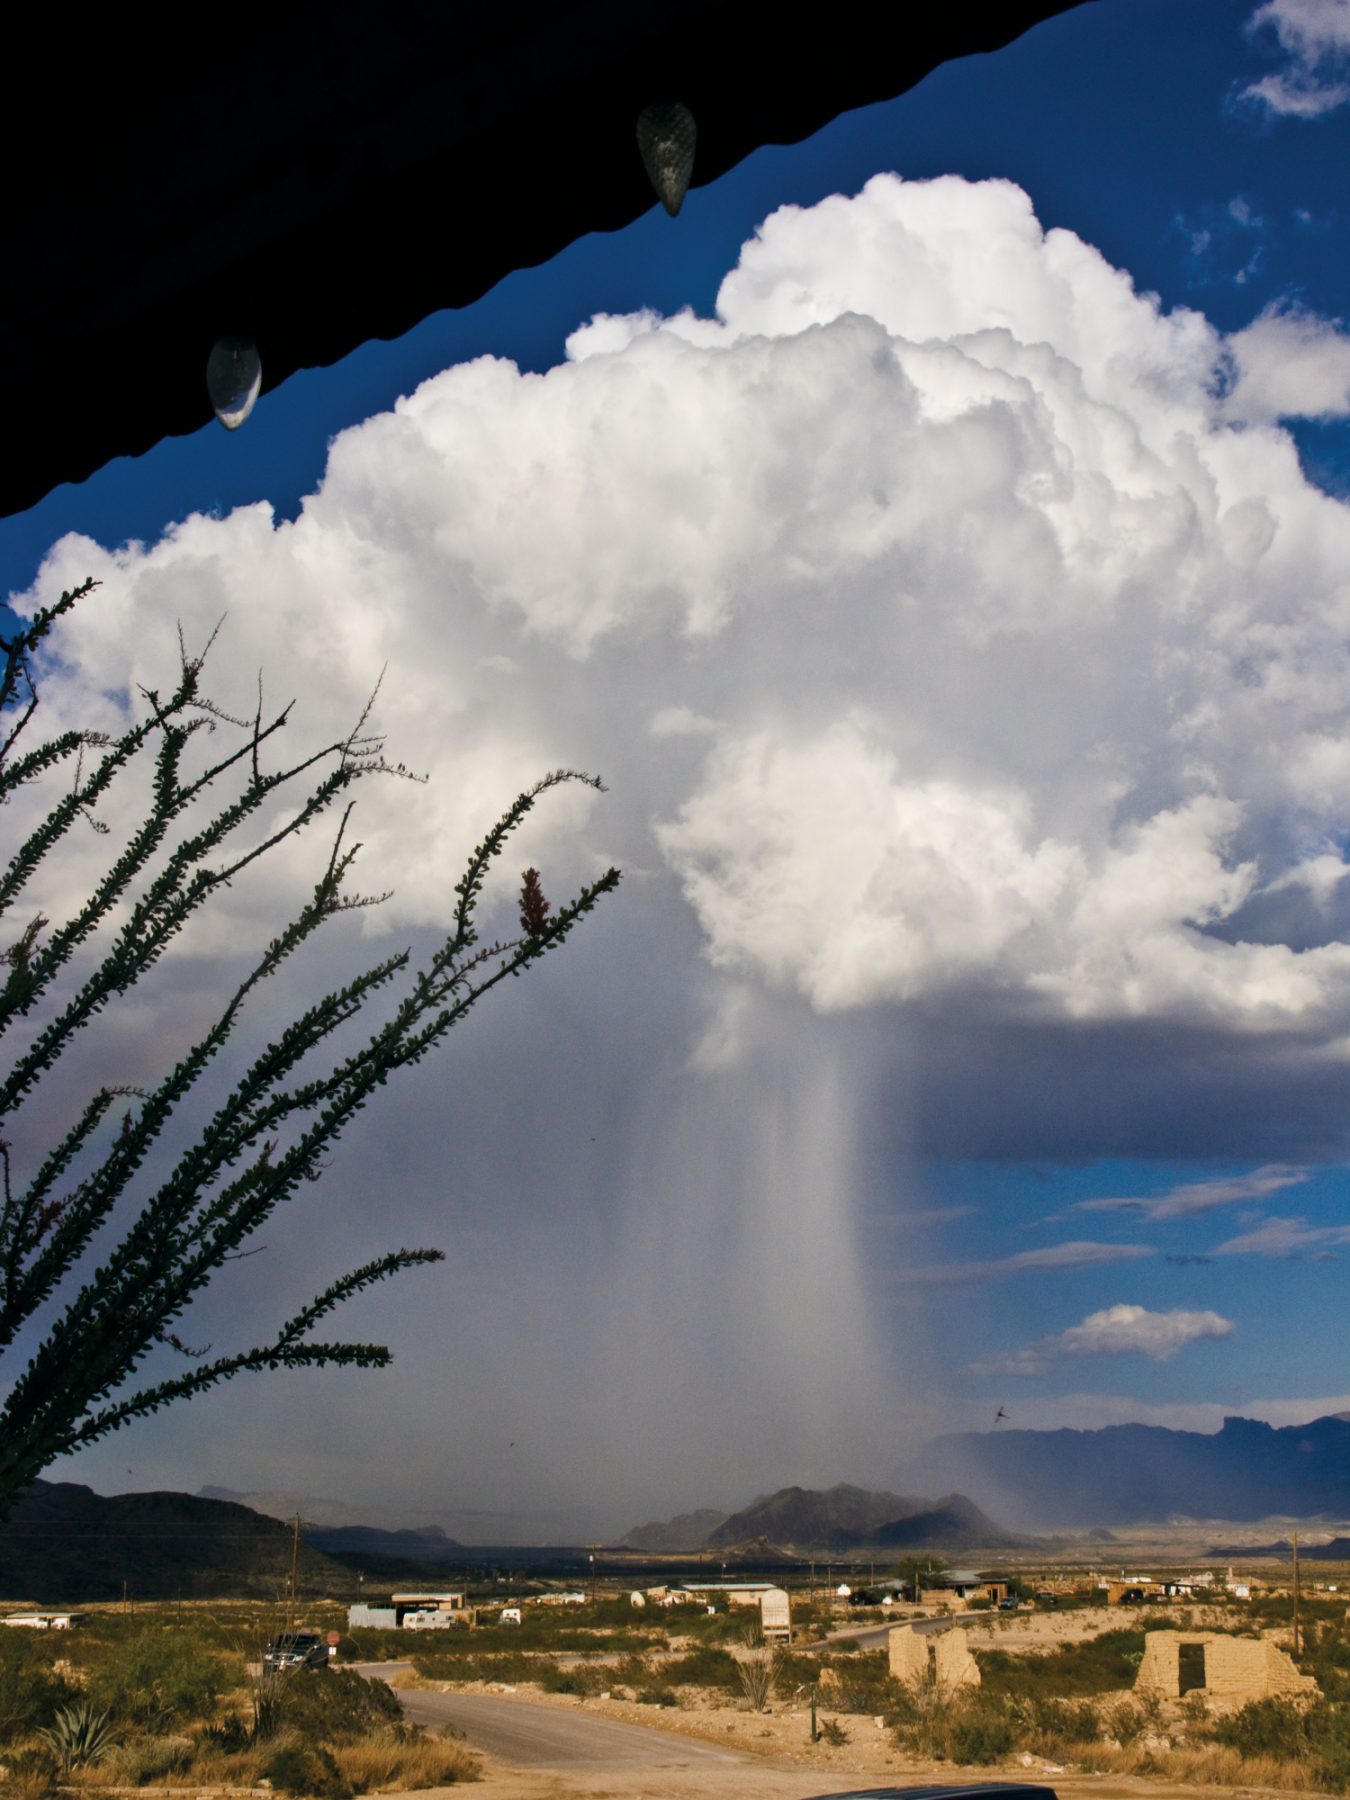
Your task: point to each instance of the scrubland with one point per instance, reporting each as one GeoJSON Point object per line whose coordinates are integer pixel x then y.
{"type": "Point", "coordinates": [175, 1698]}
{"type": "Point", "coordinates": [166, 1699]}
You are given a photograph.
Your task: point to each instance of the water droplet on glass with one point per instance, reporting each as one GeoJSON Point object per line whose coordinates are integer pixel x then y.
{"type": "Point", "coordinates": [233, 378]}
{"type": "Point", "coordinates": [666, 135]}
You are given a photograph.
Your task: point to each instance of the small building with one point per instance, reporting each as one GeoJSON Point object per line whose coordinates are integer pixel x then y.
{"type": "Point", "coordinates": [371, 1618]}
{"type": "Point", "coordinates": [959, 1587]}
{"type": "Point", "coordinates": [420, 1610]}
{"type": "Point", "coordinates": [45, 1621]}
{"type": "Point", "coordinates": [735, 1593]}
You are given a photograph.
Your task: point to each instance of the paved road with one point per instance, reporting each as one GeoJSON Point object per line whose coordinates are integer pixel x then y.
{"type": "Point", "coordinates": [873, 1637]}
{"type": "Point", "coordinates": [528, 1735]}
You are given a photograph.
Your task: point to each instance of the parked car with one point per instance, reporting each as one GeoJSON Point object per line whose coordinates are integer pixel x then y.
{"type": "Point", "coordinates": [296, 1650]}
{"type": "Point", "coordinates": [1011, 1604]}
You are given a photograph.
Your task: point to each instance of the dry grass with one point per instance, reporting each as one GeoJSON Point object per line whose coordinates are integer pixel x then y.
{"type": "Point", "coordinates": [418, 1763]}
{"type": "Point", "coordinates": [1204, 1765]}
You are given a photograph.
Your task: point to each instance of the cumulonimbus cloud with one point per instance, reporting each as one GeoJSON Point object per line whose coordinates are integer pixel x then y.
{"type": "Point", "coordinates": [1114, 1331]}
{"type": "Point", "coordinates": [950, 632]}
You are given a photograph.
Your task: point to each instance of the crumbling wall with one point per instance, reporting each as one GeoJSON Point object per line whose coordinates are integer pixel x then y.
{"type": "Point", "coordinates": [1236, 1669]}
{"type": "Point", "coordinates": [943, 1661]}
{"type": "Point", "coordinates": [953, 1665]}
{"type": "Point", "coordinates": [907, 1654]}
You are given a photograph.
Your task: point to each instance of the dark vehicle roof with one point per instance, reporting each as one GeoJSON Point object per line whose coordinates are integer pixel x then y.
{"type": "Point", "coordinates": [989, 1790]}
{"type": "Point", "coordinates": [318, 173]}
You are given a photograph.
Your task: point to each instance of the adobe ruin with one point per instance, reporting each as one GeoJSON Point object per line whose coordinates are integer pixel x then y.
{"type": "Point", "coordinates": [942, 1660]}
{"type": "Point", "coordinates": [1235, 1669]}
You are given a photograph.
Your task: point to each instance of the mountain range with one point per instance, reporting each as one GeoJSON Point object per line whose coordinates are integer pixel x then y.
{"type": "Point", "coordinates": [1129, 1474]}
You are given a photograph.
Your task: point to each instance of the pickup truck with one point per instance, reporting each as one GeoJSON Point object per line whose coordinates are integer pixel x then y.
{"type": "Point", "coordinates": [296, 1650]}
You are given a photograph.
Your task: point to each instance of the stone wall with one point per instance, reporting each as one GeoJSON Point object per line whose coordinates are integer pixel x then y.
{"type": "Point", "coordinates": [1236, 1669]}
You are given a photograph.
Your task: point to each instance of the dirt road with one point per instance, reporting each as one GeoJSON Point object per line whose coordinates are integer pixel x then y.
{"type": "Point", "coordinates": [544, 1737]}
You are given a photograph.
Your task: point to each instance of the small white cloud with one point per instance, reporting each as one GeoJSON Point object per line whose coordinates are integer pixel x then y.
{"type": "Point", "coordinates": [1315, 37]}
{"type": "Point", "coordinates": [1285, 1237]}
{"type": "Point", "coordinates": [1192, 1197]}
{"type": "Point", "coordinates": [1115, 1331]}
{"type": "Point", "coordinates": [1078, 1255]}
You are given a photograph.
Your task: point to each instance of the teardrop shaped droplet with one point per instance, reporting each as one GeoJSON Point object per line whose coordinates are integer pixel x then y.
{"type": "Point", "coordinates": [666, 135]}
{"type": "Point", "coordinates": [233, 378]}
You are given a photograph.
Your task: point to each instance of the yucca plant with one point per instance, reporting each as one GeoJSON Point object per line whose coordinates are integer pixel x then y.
{"type": "Point", "coordinates": [78, 1736]}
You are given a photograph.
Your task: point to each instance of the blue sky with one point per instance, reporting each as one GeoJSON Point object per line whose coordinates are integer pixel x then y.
{"type": "Point", "coordinates": [883, 1131]}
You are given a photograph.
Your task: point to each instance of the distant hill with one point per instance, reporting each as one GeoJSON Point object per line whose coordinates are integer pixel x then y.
{"type": "Point", "coordinates": [813, 1517]}
{"type": "Point", "coordinates": [837, 1518]}
{"type": "Point", "coordinates": [64, 1543]}
{"type": "Point", "coordinates": [425, 1543]}
{"type": "Point", "coordinates": [686, 1531]}
{"type": "Point", "coordinates": [953, 1523]}
{"type": "Point", "coordinates": [1128, 1474]}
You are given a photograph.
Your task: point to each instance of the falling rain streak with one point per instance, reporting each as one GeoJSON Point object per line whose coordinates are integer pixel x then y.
{"type": "Point", "coordinates": [666, 135]}
{"type": "Point", "coordinates": [233, 379]}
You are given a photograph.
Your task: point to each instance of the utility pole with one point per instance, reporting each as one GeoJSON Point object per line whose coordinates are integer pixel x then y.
{"type": "Point", "coordinates": [295, 1563]}
{"type": "Point", "coordinates": [1296, 1642]}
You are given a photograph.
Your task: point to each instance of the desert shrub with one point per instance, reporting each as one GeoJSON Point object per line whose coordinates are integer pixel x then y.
{"type": "Point", "coordinates": [977, 1734]}
{"type": "Point", "coordinates": [505, 1665]}
{"type": "Point", "coordinates": [31, 1692]}
{"type": "Point", "coordinates": [865, 1684]}
{"type": "Point", "coordinates": [632, 1671]}
{"type": "Point", "coordinates": [228, 1734]}
{"type": "Point", "coordinates": [145, 1759]}
{"type": "Point", "coordinates": [720, 1628]}
{"type": "Point", "coordinates": [1126, 1723]}
{"type": "Point", "coordinates": [365, 1643]}
{"type": "Point", "coordinates": [1330, 1733]}
{"type": "Point", "coordinates": [707, 1667]}
{"type": "Point", "coordinates": [1266, 1728]}
{"type": "Point", "coordinates": [301, 1768]}
{"type": "Point", "coordinates": [796, 1670]}
{"type": "Point", "coordinates": [157, 1679]}
{"type": "Point", "coordinates": [1046, 1722]}
{"type": "Point", "coordinates": [832, 1732]}
{"type": "Point", "coordinates": [574, 1679]}
{"type": "Point", "coordinates": [334, 1706]}
{"type": "Point", "coordinates": [1099, 1665]}
{"type": "Point", "coordinates": [656, 1694]}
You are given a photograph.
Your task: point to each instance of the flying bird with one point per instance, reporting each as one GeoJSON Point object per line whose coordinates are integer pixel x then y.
{"type": "Point", "coordinates": [1000, 1414]}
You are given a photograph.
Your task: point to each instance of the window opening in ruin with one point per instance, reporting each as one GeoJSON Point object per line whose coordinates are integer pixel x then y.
{"type": "Point", "coordinates": [1191, 1667]}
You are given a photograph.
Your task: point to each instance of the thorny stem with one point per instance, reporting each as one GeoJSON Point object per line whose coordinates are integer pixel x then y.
{"type": "Point", "coordinates": [89, 1331]}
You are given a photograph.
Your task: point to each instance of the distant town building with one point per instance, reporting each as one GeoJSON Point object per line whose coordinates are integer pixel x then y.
{"type": "Point", "coordinates": [45, 1621]}
{"type": "Point", "coordinates": [735, 1593]}
{"type": "Point", "coordinates": [420, 1610]}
